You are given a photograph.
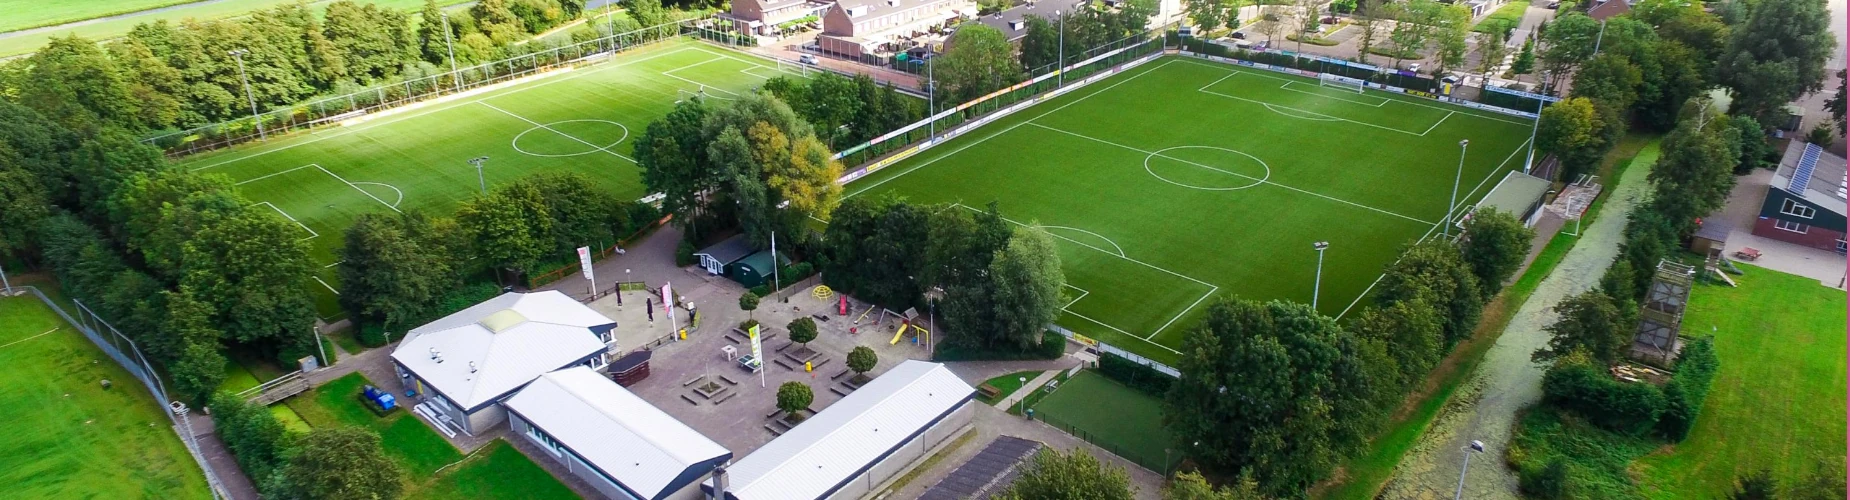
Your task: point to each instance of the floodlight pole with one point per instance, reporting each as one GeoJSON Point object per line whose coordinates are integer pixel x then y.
{"type": "Point", "coordinates": [1600, 38]}
{"type": "Point", "coordinates": [931, 98]}
{"type": "Point", "coordinates": [1475, 447]}
{"type": "Point", "coordinates": [1318, 287]}
{"type": "Point", "coordinates": [1060, 67]}
{"type": "Point", "coordinates": [238, 54]}
{"type": "Point", "coordinates": [1533, 128]}
{"type": "Point", "coordinates": [1459, 177]}
{"type": "Point", "coordinates": [479, 178]}
{"type": "Point", "coordinates": [455, 77]}
{"type": "Point", "coordinates": [323, 347]}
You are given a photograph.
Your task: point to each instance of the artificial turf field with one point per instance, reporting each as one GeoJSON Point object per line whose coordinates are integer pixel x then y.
{"type": "Point", "coordinates": [67, 436]}
{"type": "Point", "coordinates": [1182, 180]}
{"type": "Point", "coordinates": [417, 158]}
{"type": "Point", "coordinates": [1105, 412]}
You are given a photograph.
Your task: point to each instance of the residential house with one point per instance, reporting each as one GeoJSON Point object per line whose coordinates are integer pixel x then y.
{"type": "Point", "coordinates": [762, 17]}
{"type": "Point", "coordinates": [859, 27]}
{"type": "Point", "coordinates": [1805, 199]}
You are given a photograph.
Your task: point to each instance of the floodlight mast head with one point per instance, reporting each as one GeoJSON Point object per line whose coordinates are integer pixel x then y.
{"type": "Point", "coordinates": [1321, 245]}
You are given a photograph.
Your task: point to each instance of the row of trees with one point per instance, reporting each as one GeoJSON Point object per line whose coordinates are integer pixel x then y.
{"type": "Point", "coordinates": [326, 463]}
{"type": "Point", "coordinates": [750, 160]}
{"type": "Point", "coordinates": [846, 111]}
{"type": "Point", "coordinates": [400, 270]}
{"type": "Point", "coordinates": [179, 262]}
{"type": "Point", "coordinates": [1001, 285]}
{"type": "Point", "coordinates": [981, 59]}
{"type": "Point", "coordinates": [163, 75]}
{"type": "Point", "coordinates": [1278, 393]}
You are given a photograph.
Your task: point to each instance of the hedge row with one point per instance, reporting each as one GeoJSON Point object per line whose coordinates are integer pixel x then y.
{"type": "Point", "coordinates": [1636, 408]}
{"type": "Point", "coordinates": [1052, 347]}
{"type": "Point", "coordinates": [1134, 375]}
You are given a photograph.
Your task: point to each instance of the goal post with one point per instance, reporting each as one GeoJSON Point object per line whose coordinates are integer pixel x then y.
{"type": "Point", "coordinates": [793, 68]}
{"type": "Point", "coordinates": [1341, 82]}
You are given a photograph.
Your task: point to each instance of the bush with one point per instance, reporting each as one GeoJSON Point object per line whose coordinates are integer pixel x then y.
{"type": "Point", "coordinates": [802, 330]}
{"type": "Point", "coordinates": [748, 302]}
{"type": "Point", "coordinates": [794, 396]}
{"type": "Point", "coordinates": [1587, 390]}
{"type": "Point", "coordinates": [684, 254]}
{"type": "Point", "coordinates": [862, 359]}
{"type": "Point", "coordinates": [1548, 482]}
{"type": "Point", "coordinates": [1687, 389]}
{"type": "Point", "coordinates": [251, 433]}
{"type": "Point", "coordinates": [759, 291]}
{"type": "Point", "coordinates": [1134, 375]}
{"type": "Point", "coordinates": [1052, 347]}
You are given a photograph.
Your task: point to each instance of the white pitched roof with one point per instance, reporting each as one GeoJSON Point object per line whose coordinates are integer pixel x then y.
{"type": "Point", "coordinates": [836, 443]}
{"type": "Point", "coordinates": [627, 438]}
{"type": "Point", "coordinates": [510, 339]}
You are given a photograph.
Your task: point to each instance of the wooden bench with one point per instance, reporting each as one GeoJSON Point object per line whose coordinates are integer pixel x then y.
{"type": "Point", "coordinates": [820, 317]}
{"type": "Point", "coordinates": [818, 365]}
{"type": "Point", "coordinates": [782, 347]}
{"type": "Point", "coordinates": [839, 375]}
{"type": "Point", "coordinates": [780, 362]}
{"type": "Point", "coordinates": [690, 381]}
{"type": "Point", "coordinates": [838, 391]}
{"type": "Point", "coordinates": [690, 400]}
{"type": "Point", "coordinates": [727, 380]}
{"type": "Point", "coordinates": [731, 340]}
{"type": "Point", "coordinates": [723, 399]}
{"type": "Point", "coordinates": [989, 391]}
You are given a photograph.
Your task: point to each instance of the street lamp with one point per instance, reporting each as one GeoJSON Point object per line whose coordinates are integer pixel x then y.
{"type": "Point", "coordinates": [479, 178]}
{"type": "Point", "coordinates": [1475, 447]}
{"type": "Point", "coordinates": [455, 78]}
{"type": "Point", "coordinates": [1318, 287]}
{"type": "Point", "coordinates": [238, 54]}
{"type": "Point", "coordinates": [1453, 207]}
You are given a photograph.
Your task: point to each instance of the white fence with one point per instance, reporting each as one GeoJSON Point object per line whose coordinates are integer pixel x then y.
{"type": "Point", "coordinates": [1115, 350]}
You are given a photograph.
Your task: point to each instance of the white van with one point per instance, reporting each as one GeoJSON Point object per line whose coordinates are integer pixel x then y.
{"type": "Point", "coordinates": [809, 59]}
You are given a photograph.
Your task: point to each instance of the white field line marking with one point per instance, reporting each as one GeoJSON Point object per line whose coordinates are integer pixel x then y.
{"type": "Point", "coordinates": [1436, 124]}
{"type": "Point", "coordinates": [1113, 244]}
{"type": "Point", "coordinates": [1120, 330]}
{"type": "Point", "coordinates": [1236, 174]}
{"type": "Point", "coordinates": [240, 183]}
{"type": "Point", "coordinates": [515, 90]}
{"type": "Point", "coordinates": [703, 86]}
{"type": "Point", "coordinates": [1435, 227]}
{"type": "Point", "coordinates": [324, 284]}
{"type": "Point", "coordinates": [556, 131]}
{"type": "Point", "coordinates": [357, 188]}
{"type": "Point", "coordinates": [1407, 102]}
{"type": "Point", "coordinates": [46, 332]}
{"type": "Point", "coordinates": [1287, 86]}
{"type": "Point", "coordinates": [332, 265]}
{"type": "Point", "coordinates": [1212, 288]}
{"type": "Point", "coordinates": [1082, 294]}
{"type": "Point", "coordinates": [401, 194]}
{"type": "Point", "coordinates": [1003, 131]}
{"type": "Point", "coordinates": [311, 233]}
{"type": "Point", "coordinates": [1184, 312]}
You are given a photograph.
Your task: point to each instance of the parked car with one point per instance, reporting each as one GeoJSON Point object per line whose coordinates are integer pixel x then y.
{"type": "Point", "coordinates": [1415, 67]}
{"type": "Point", "coordinates": [809, 59]}
{"type": "Point", "coordinates": [1239, 36]}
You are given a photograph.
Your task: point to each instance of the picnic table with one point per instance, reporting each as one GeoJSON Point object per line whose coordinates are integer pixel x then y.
{"type": "Point", "coordinates": [1748, 253]}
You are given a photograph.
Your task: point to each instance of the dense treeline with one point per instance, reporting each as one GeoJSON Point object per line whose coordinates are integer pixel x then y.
{"type": "Point", "coordinates": [398, 271]}
{"type": "Point", "coordinates": [165, 76]}
{"type": "Point", "coordinates": [847, 111]}
{"type": "Point", "coordinates": [326, 463]}
{"type": "Point", "coordinates": [1279, 394]}
{"type": "Point", "coordinates": [1002, 285]}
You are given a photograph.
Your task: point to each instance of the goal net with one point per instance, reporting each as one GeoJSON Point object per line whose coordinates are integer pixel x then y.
{"type": "Point", "coordinates": [793, 68]}
{"type": "Point", "coordinates": [1341, 82]}
{"type": "Point", "coordinates": [684, 94]}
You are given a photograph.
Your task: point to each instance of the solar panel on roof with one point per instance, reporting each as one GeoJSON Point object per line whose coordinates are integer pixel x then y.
{"type": "Point", "coordinates": [1801, 177]}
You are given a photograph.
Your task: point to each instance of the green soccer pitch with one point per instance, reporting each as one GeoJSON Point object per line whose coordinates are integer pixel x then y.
{"type": "Point", "coordinates": [1182, 180]}
{"type": "Point", "coordinates": [416, 158]}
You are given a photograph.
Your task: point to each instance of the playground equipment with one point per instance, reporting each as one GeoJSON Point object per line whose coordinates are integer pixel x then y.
{"type": "Point", "coordinates": [902, 332]}
{"type": "Point", "coordinates": [870, 309]}
{"type": "Point", "coordinates": [823, 292]}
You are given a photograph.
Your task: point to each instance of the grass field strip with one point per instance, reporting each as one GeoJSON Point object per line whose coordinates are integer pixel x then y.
{"type": "Point", "coordinates": [1264, 74]}
{"type": "Point", "coordinates": [1082, 294]}
{"type": "Point", "coordinates": [46, 332]}
{"type": "Point", "coordinates": [1235, 174]}
{"type": "Point", "coordinates": [993, 135]}
{"type": "Point", "coordinates": [1448, 216]}
{"type": "Point", "coordinates": [311, 233]}
{"type": "Point", "coordinates": [1306, 115]}
{"type": "Point", "coordinates": [1287, 86]}
{"type": "Point", "coordinates": [556, 131]}
{"type": "Point", "coordinates": [1212, 288]}
{"type": "Point", "coordinates": [363, 191]}
{"type": "Point", "coordinates": [458, 103]}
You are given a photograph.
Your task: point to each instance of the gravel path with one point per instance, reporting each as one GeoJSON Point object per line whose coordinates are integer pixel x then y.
{"type": "Point", "coordinates": [1507, 381]}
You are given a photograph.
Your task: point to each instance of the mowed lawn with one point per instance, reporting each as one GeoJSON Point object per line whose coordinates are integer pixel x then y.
{"type": "Point", "coordinates": [1115, 417]}
{"type": "Point", "coordinates": [1184, 180]}
{"type": "Point", "coordinates": [1778, 401]}
{"type": "Point", "coordinates": [498, 471]}
{"type": "Point", "coordinates": [26, 14]}
{"type": "Point", "coordinates": [582, 121]}
{"type": "Point", "coordinates": [67, 436]}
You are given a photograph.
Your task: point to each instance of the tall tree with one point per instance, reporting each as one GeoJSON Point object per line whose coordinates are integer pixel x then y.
{"type": "Point", "coordinates": [1694, 174]}
{"type": "Point", "coordinates": [373, 42]}
{"type": "Point", "coordinates": [1611, 78]}
{"type": "Point", "coordinates": [1569, 129]}
{"type": "Point", "coordinates": [1776, 56]}
{"type": "Point", "coordinates": [1209, 15]}
{"type": "Point", "coordinates": [1590, 322]}
{"type": "Point", "coordinates": [75, 83]}
{"type": "Point", "coordinates": [393, 268]}
{"type": "Point", "coordinates": [1192, 486]}
{"type": "Point", "coordinates": [980, 60]}
{"type": "Point", "coordinates": [507, 229]}
{"type": "Point", "coordinates": [1072, 475]}
{"type": "Point", "coordinates": [1413, 331]}
{"type": "Point", "coordinates": [1495, 244]}
{"type": "Point", "coordinates": [198, 367]}
{"type": "Point", "coordinates": [1040, 47]}
{"type": "Point", "coordinates": [432, 42]}
{"type": "Point", "coordinates": [1451, 34]}
{"type": "Point", "coordinates": [1567, 43]}
{"type": "Point", "coordinates": [254, 268]}
{"type": "Point", "coordinates": [337, 463]}
{"type": "Point", "coordinates": [158, 213]}
{"type": "Point", "coordinates": [1368, 15]}
{"type": "Point", "coordinates": [1436, 272]}
{"type": "Point", "coordinates": [1028, 282]}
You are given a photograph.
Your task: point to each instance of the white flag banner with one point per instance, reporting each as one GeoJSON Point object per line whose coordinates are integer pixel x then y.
{"type": "Point", "coordinates": [584, 260]}
{"type": "Point", "coordinates": [668, 299]}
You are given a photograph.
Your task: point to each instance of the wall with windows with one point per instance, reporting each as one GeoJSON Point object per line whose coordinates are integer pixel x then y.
{"type": "Point", "coordinates": [1789, 218]}
{"type": "Point", "coordinates": [572, 462]}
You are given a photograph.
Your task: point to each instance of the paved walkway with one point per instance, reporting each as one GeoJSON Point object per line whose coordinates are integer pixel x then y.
{"type": "Point", "coordinates": [213, 449]}
{"type": "Point", "coordinates": [1026, 389]}
{"type": "Point", "coordinates": [1485, 409]}
{"type": "Point", "coordinates": [990, 422]}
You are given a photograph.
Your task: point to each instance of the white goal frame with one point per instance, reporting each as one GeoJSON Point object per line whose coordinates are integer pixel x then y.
{"type": "Point", "coordinates": [1342, 82]}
